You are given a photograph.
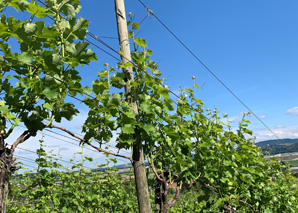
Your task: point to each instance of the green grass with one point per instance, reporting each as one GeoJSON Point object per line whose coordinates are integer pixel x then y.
{"type": "Point", "coordinates": [293, 163]}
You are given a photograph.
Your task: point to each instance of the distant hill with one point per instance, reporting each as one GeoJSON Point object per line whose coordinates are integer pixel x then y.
{"type": "Point", "coordinates": [277, 146]}
{"type": "Point", "coordinates": [277, 142]}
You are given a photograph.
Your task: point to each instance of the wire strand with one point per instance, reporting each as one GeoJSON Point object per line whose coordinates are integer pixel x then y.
{"type": "Point", "coordinates": [115, 51]}
{"type": "Point", "coordinates": [58, 159]}
{"type": "Point", "coordinates": [65, 141]}
{"type": "Point", "coordinates": [212, 73]}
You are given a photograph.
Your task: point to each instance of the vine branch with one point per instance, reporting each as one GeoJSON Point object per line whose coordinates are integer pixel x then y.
{"type": "Point", "coordinates": [24, 136]}
{"type": "Point", "coordinates": [215, 190]}
{"type": "Point", "coordinates": [23, 204]}
{"type": "Point", "coordinates": [171, 202]}
{"type": "Point", "coordinates": [154, 171]}
{"type": "Point", "coordinates": [251, 206]}
{"type": "Point", "coordinates": [86, 142]}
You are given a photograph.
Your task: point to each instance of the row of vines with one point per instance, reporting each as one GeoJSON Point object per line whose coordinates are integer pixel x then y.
{"type": "Point", "coordinates": [197, 161]}
{"type": "Point", "coordinates": [52, 187]}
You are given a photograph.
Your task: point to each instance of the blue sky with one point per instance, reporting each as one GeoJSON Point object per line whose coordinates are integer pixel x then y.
{"type": "Point", "coordinates": [252, 46]}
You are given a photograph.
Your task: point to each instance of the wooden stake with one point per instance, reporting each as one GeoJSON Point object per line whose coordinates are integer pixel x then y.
{"type": "Point", "coordinates": [138, 153]}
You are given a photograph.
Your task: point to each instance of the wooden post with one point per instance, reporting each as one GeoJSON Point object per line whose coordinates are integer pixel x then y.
{"type": "Point", "coordinates": [137, 149]}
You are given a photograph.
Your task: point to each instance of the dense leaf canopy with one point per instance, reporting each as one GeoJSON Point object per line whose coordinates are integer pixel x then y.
{"type": "Point", "coordinates": [181, 139]}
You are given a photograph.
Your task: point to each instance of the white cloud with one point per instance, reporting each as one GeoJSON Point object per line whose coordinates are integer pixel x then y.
{"type": "Point", "coordinates": [262, 116]}
{"type": "Point", "coordinates": [279, 131]}
{"type": "Point", "coordinates": [63, 149]}
{"type": "Point", "coordinates": [61, 146]}
{"type": "Point", "coordinates": [76, 123]}
{"type": "Point", "coordinates": [238, 118]}
{"type": "Point", "coordinates": [293, 111]}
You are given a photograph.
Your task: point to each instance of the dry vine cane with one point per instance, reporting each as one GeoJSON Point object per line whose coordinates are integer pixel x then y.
{"type": "Point", "coordinates": [164, 183]}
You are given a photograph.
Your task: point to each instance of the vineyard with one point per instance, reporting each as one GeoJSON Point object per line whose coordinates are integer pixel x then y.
{"type": "Point", "coordinates": [52, 187]}
{"type": "Point", "coordinates": [183, 157]}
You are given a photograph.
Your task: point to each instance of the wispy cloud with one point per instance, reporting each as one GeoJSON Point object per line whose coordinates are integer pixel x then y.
{"type": "Point", "coordinates": [279, 131]}
{"type": "Point", "coordinates": [63, 148]}
{"type": "Point", "coordinates": [249, 89]}
{"type": "Point", "coordinates": [293, 111]}
{"type": "Point", "coordinates": [262, 116]}
{"type": "Point", "coordinates": [238, 118]}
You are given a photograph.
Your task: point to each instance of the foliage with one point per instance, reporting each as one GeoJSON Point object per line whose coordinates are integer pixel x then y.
{"type": "Point", "coordinates": [36, 78]}
{"type": "Point", "coordinates": [293, 163]}
{"type": "Point", "coordinates": [53, 188]}
{"type": "Point", "coordinates": [280, 148]}
{"type": "Point", "coordinates": [191, 145]}
{"type": "Point", "coordinates": [276, 142]}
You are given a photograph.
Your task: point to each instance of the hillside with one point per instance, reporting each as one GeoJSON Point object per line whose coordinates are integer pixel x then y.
{"type": "Point", "coordinates": [276, 142]}
{"type": "Point", "coordinates": [276, 146]}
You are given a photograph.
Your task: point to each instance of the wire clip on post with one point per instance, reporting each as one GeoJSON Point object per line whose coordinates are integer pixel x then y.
{"type": "Point", "coordinates": [149, 11]}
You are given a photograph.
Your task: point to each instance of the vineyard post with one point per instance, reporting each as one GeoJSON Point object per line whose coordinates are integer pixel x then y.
{"type": "Point", "coordinates": [138, 152]}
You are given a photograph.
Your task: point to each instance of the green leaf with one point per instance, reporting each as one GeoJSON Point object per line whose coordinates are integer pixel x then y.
{"type": "Point", "coordinates": [116, 98]}
{"type": "Point", "coordinates": [163, 92]}
{"type": "Point", "coordinates": [19, 5]}
{"type": "Point", "coordinates": [103, 74]}
{"type": "Point", "coordinates": [10, 116]}
{"type": "Point", "coordinates": [69, 7]}
{"type": "Point", "coordinates": [25, 58]}
{"type": "Point", "coordinates": [146, 107]}
{"type": "Point", "coordinates": [130, 114]}
{"type": "Point", "coordinates": [89, 158]}
{"type": "Point", "coordinates": [30, 28]}
{"type": "Point", "coordinates": [3, 29]}
{"type": "Point", "coordinates": [135, 25]}
{"type": "Point", "coordinates": [14, 25]}
{"type": "Point", "coordinates": [50, 94]}
{"type": "Point", "coordinates": [79, 30]}
{"type": "Point", "coordinates": [149, 128]}
{"type": "Point", "coordinates": [149, 52]}
{"type": "Point", "coordinates": [140, 42]}
{"type": "Point", "coordinates": [48, 106]}
{"type": "Point", "coordinates": [128, 64]}
{"type": "Point", "coordinates": [78, 54]}
{"type": "Point", "coordinates": [4, 109]}
{"type": "Point", "coordinates": [37, 10]}
{"type": "Point", "coordinates": [128, 129]}
{"type": "Point", "coordinates": [87, 90]}
{"type": "Point", "coordinates": [117, 80]}
{"type": "Point", "coordinates": [49, 33]}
